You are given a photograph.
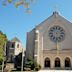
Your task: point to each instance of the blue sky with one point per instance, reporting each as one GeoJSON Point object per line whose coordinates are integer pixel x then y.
{"type": "Point", "coordinates": [15, 22]}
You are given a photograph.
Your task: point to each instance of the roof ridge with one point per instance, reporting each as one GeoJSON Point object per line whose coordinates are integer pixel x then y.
{"type": "Point", "coordinates": [15, 39]}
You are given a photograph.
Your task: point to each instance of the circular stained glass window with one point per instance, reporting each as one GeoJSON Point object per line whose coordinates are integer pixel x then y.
{"type": "Point", "coordinates": [56, 34]}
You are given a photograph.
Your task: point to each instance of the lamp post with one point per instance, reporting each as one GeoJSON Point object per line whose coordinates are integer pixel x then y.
{"type": "Point", "coordinates": [22, 60]}
{"type": "Point", "coordinates": [4, 54]}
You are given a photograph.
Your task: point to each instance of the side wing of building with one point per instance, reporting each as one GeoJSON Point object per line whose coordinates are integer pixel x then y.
{"type": "Point", "coordinates": [30, 44]}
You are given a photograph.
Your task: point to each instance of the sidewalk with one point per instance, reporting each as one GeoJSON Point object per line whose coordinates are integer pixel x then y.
{"type": "Point", "coordinates": [55, 71]}
{"type": "Point", "coordinates": [9, 67]}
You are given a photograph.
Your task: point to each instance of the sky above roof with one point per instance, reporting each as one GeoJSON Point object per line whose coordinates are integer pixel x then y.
{"type": "Point", "coordinates": [15, 22]}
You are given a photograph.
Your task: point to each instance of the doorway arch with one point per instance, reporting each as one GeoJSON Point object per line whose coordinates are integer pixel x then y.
{"type": "Point", "coordinates": [67, 62]}
{"type": "Point", "coordinates": [57, 62]}
{"type": "Point", "coordinates": [47, 62]}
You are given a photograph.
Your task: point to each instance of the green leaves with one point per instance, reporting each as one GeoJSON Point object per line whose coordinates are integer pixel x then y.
{"type": "Point", "coordinates": [9, 1]}
{"type": "Point", "coordinates": [1, 54]}
{"type": "Point", "coordinates": [18, 3]}
{"type": "Point", "coordinates": [25, 3]}
{"type": "Point", "coordinates": [3, 40]}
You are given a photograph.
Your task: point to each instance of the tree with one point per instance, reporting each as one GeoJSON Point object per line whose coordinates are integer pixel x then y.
{"type": "Point", "coordinates": [32, 64]}
{"type": "Point", "coordinates": [24, 3]}
{"type": "Point", "coordinates": [3, 40]}
{"type": "Point", "coordinates": [28, 64]}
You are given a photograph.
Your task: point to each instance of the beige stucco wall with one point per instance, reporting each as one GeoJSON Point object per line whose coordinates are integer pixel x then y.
{"type": "Point", "coordinates": [45, 44]}
{"type": "Point", "coordinates": [52, 55]}
{"type": "Point", "coordinates": [46, 47]}
{"type": "Point", "coordinates": [18, 50]}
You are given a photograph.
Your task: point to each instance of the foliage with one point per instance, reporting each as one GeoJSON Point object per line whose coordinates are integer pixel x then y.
{"type": "Point", "coordinates": [29, 64]}
{"type": "Point", "coordinates": [25, 3]}
{"type": "Point", "coordinates": [32, 64]}
{"type": "Point", "coordinates": [38, 67]}
{"type": "Point", "coordinates": [3, 40]}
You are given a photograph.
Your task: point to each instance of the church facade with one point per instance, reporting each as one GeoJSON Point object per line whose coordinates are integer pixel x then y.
{"type": "Point", "coordinates": [50, 43]}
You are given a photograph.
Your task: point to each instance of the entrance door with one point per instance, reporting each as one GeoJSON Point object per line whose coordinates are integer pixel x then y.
{"type": "Point", "coordinates": [47, 62]}
{"type": "Point", "coordinates": [57, 62]}
{"type": "Point", "coordinates": [67, 62]}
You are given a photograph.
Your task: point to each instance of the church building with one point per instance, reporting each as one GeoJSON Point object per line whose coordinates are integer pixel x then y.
{"type": "Point", "coordinates": [50, 43]}
{"type": "Point", "coordinates": [14, 48]}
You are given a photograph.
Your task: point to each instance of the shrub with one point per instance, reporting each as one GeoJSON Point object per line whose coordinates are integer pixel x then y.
{"type": "Point", "coordinates": [29, 64]}
{"type": "Point", "coordinates": [38, 67]}
{"type": "Point", "coordinates": [32, 64]}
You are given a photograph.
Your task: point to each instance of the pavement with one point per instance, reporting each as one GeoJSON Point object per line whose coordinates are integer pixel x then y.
{"type": "Point", "coordinates": [55, 71]}
{"type": "Point", "coordinates": [9, 67]}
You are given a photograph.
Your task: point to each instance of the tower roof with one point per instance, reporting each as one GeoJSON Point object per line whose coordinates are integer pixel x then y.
{"type": "Point", "coordinates": [15, 39]}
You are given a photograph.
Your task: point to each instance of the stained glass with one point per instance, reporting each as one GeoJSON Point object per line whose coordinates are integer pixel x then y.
{"type": "Point", "coordinates": [56, 33]}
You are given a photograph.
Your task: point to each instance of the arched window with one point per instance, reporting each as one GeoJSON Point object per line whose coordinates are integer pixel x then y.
{"type": "Point", "coordinates": [47, 62]}
{"type": "Point", "coordinates": [13, 45]}
{"type": "Point", "coordinates": [57, 62]}
{"type": "Point", "coordinates": [67, 62]}
{"type": "Point", "coordinates": [17, 45]}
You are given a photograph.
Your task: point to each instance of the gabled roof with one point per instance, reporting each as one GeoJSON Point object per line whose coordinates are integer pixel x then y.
{"type": "Point", "coordinates": [54, 16]}
{"type": "Point", "coordinates": [15, 39]}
